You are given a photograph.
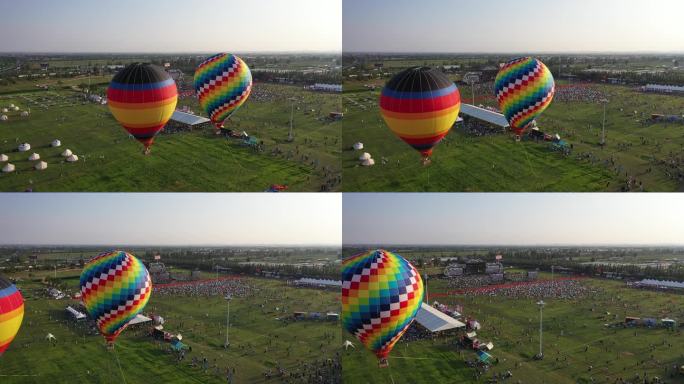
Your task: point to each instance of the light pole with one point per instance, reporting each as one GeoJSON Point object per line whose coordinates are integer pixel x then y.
{"type": "Point", "coordinates": [541, 304]}
{"type": "Point", "coordinates": [228, 297]}
{"type": "Point", "coordinates": [603, 131]}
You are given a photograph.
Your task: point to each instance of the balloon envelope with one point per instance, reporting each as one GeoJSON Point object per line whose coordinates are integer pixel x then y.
{"type": "Point", "coordinates": [115, 287]}
{"type": "Point", "coordinates": [420, 105]}
{"type": "Point", "coordinates": [142, 98]}
{"type": "Point", "coordinates": [11, 313]}
{"type": "Point", "coordinates": [223, 83]}
{"type": "Point", "coordinates": [524, 88]}
{"type": "Point", "coordinates": [381, 294]}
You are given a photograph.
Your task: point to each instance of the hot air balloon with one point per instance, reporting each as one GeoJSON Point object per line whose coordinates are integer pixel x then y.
{"type": "Point", "coordinates": [381, 294]}
{"type": "Point", "coordinates": [524, 88]}
{"type": "Point", "coordinates": [142, 98]}
{"type": "Point", "coordinates": [115, 287]}
{"type": "Point", "coordinates": [11, 313]}
{"type": "Point", "coordinates": [420, 105]}
{"type": "Point", "coordinates": [222, 83]}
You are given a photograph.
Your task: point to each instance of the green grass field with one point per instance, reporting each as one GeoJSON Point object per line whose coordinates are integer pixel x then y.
{"type": "Point", "coordinates": [196, 161]}
{"type": "Point", "coordinates": [497, 163]}
{"type": "Point", "coordinates": [570, 326]}
{"type": "Point", "coordinates": [259, 341]}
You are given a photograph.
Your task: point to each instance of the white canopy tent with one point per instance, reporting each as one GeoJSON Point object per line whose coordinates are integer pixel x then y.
{"type": "Point", "coordinates": [368, 162]}
{"type": "Point", "coordinates": [24, 147]}
{"type": "Point", "coordinates": [358, 146]}
{"type": "Point", "coordinates": [41, 165]}
{"type": "Point", "coordinates": [24, 114]}
{"type": "Point", "coordinates": [4, 158]}
{"type": "Point", "coordinates": [67, 152]}
{"type": "Point", "coordinates": [72, 159]}
{"type": "Point", "coordinates": [4, 118]}
{"type": "Point", "coordinates": [9, 167]}
{"type": "Point", "coordinates": [56, 143]}
{"type": "Point", "coordinates": [435, 320]}
{"type": "Point", "coordinates": [34, 156]}
{"type": "Point", "coordinates": [365, 156]}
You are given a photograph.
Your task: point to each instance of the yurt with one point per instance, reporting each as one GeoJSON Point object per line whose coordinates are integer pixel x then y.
{"type": "Point", "coordinates": [368, 162]}
{"type": "Point", "coordinates": [9, 167]}
{"type": "Point", "coordinates": [34, 156]}
{"type": "Point", "coordinates": [358, 146]}
{"type": "Point", "coordinates": [4, 118]}
{"type": "Point", "coordinates": [67, 152]}
{"type": "Point", "coordinates": [24, 147]}
{"type": "Point", "coordinates": [72, 159]}
{"type": "Point", "coordinates": [41, 165]}
{"type": "Point", "coordinates": [365, 156]}
{"type": "Point", "coordinates": [24, 114]}
{"type": "Point", "coordinates": [56, 143]}
{"type": "Point", "coordinates": [3, 158]}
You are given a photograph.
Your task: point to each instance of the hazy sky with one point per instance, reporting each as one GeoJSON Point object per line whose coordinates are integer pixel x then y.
{"type": "Point", "coordinates": [170, 25]}
{"type": "Point", "coordinates": [513, 219]}
{"type": "Point", "coordinates": [171, 219]}
{"type": "Point", "coordinates": [513, 26]}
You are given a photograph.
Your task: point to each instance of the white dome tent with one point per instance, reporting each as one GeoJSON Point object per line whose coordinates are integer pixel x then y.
{"type": "Point", "coordinates": [23, 147]}
{"type": "Point", "coordinates": [15, 109]}
{"type": "Point", "coordinates": [9, 167]}
{"type": "Point", "coordinates": [24, 114]}
{"type": "Point", "coordinates": [5, 110]}
{"type": "Point", "coordinates": [56, 143]}
{"type": "Point", "coordinates": [3, 158]}
{"type": "Point", "coordinates": [365, 156]}
{"type": "Point", "coordinates": [67, 152]}
{"type": "Point", "coordinates": [4, 118]}
{"type": "Point", "coordinates": [34, 156]}
{"type": "Point", "coordinates": [72, 159]}
{"type": "Point", "coordinates": [358, 146]}
{"type": "Point", "coordinates": [40, 165]}
{"type": "Point", "coordinates": [11, 106]}
{"type": "Point", "coordinates": [368, 162]}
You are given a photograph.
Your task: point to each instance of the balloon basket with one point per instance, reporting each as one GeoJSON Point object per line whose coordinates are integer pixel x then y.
{"type": "Point", "coordinates": [147, 151]}
{"type": "Point", "coordinates": [517, 138]}
{"type": "Point", "coordinates": [426, 161]}
{"type": "Point", "coordinates": [383, 363]}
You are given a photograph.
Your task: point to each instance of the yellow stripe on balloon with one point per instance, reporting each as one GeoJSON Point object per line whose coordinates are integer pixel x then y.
{"type": "Point", "coordinates": [10, 326]}
{"type": "Point", "coordinates": [144, 117]}
{"type": "Point", "coordinates": [421, 127]}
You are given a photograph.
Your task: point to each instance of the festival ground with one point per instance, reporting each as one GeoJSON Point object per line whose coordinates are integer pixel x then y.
{"type": "Point", "coordinates": [579, 347]}
{"type": "Point", "coordinates": [261, 339]}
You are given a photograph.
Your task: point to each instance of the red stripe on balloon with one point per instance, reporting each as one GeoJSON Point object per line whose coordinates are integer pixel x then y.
{"type": "Point", "coordinates": [420, 105]}
{"type": "Point", "coordinates": [11, 302]}
{"type": "Point", "coordinates": [142, 96]}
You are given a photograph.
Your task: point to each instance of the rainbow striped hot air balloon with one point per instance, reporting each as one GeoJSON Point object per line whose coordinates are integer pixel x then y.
{"type": "Point", "coordinates": [420, 105]}
{"type": "Point", "coordinates": [115, 287]}
{"type": "Point", "coordinates": [142, 98]}
{"type": "Point", "coordinates": [381, 294]}
{"type": "Point", "coordinates": [222, 83]}
{"type": "Point", "coordinates": [11, 313]}
{"type": "Point", "coordinates": [524, 88]}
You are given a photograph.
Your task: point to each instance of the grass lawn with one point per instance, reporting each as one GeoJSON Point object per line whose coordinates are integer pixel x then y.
{"type": "Point", "coordinates": [193, 161]}
{"type": "Point", "coordinates": [497, 163]}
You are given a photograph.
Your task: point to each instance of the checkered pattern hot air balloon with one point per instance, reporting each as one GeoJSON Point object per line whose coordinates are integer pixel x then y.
{"type": "Point", "coordinates": [222, 83]}
{"type": "Point", "coordinates": [11, 313]}
{"type": "Point", "coordinates": [381, 294]}
{"type": "Point", "coordinates": [142, 98]}
{"type": "Point", "coordinates": [115, 287]}
{"type": "Point", "coordinates": [420, 105]}
{"type": "Point", "coordinates": [524, 88]}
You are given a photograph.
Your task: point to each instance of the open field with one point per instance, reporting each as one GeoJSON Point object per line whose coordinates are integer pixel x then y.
{"type": "Point", "coordinates": [260, 340]}
{"type": "Point", "coordinates": [648, 154]}
{"type": "Point", "coordinates": [575, 339]}
{"type": "Point", "coordinates": [188, 161]}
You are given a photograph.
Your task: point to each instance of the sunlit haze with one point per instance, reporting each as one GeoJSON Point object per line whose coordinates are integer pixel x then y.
{"type": "Point", "coordinates": [172, 219]}
{"type": "Point", "coordinates": [171, 26]}
{"type": "Point", "coordinates": [513, 26]}
{"type": "Point", "coordinates": [513, 219]}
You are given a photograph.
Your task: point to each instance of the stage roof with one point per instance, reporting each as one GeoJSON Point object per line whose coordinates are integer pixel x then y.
{"type": "Point", "coordinates": [435, 320]}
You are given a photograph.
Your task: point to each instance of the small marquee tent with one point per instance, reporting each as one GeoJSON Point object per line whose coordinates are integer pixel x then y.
{"type": "Point", "coordinates": [56, 143]}
{"type": "Point", "coordinates": [9, 167]}
{"type": "Point", "coordinates": [4, 158]}
{"type": "Point", "coordinates": [72, 159]}
{"type": "Point", "coordinates": [34, 156]}
{"type": "Point", "coordinates": [67, 152]}
{"type": "Point", "coordinates": [24, 147]}
{"type": "Point", "coordinates": [41, 165]}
